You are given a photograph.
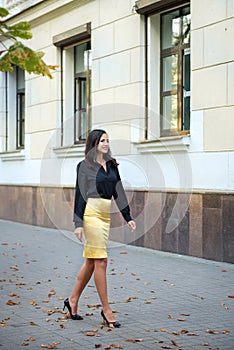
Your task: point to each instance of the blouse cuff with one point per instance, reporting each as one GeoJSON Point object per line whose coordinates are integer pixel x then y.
{"type": "Point", "coordinates": [78, 224]}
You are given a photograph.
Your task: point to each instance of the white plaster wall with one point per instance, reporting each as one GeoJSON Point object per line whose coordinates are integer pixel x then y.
{"type": "Point", "coordinates": [118, 99]}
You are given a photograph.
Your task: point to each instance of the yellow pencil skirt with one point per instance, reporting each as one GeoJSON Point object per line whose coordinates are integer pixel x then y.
{"type": "Point", "coordinates": [96, 228]}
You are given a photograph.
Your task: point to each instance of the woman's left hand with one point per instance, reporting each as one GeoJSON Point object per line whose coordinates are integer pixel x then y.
{"type": "Point", "coordinates": [132, 225]}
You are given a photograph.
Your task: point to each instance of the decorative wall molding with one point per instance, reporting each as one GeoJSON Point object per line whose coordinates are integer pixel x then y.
{"type": "Point", "coordinates": [74, 151]}
{"type": "Point", "coordinates": [164, 145]}
{"type": "Point", "coordinates": [13, 156]}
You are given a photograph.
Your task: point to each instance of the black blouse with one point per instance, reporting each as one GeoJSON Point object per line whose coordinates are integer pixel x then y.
{"type": "Point", "coordinates": [95, 182]}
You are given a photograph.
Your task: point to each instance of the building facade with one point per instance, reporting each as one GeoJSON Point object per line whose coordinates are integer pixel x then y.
{"type": "Point", "coordinates": [158, 75]}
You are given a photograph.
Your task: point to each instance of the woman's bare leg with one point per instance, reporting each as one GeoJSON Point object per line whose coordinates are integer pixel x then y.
{"type": "Point", "coordinates": [100, 266]}
{"type": "Point", "coordinates": [83, 278]}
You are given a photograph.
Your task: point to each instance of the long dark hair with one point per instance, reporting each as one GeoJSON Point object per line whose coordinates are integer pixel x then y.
{"type": "Point", "coordinates": [92, 142]}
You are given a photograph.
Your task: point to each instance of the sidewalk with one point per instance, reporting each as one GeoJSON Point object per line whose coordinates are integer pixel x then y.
{"type": "Point", "coordinates": [163, 301]}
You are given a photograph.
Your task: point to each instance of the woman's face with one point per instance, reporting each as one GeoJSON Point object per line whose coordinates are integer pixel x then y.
{"type": "Point", "coordinates": [103, 146]}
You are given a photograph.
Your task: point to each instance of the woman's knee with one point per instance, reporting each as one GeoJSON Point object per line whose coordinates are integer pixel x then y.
{"type": "Point", "coordinates": [100, 263]}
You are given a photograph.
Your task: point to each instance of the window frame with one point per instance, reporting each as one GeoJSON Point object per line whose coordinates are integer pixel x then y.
{"type": "Point", "coordinates": [168, 52]}
{"type": "Point", "coordinates": [20, 113]}
{"type": "Point", "coordinates": [78, 109]}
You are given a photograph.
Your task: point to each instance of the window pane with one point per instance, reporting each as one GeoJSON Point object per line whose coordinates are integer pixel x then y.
{"type": "Point", "coordinates": [170, 29]}
{"type": "Point", "coordinates": [186, 113]}
{"type": "Point", "coordinates": [186, 28]}
{"type": "Point", "coordinates": [80, 57]}
{"type": "Point", "coordinates": [186, 90]}
{"type": "Point", "coordinates": [20, 79]}
{"type": "Point", "coordinates": [170, 112]}
{"type": "Point", "coordinates": [20, 120]}
{"type": "Point", "coordinates": [80, 109]}
{"type": "Point", "coordinates": [83, 94]}
{"type": "Point", "coordinates": [83, 125]}
{"type": "Point", "coordinates": [170, 65]}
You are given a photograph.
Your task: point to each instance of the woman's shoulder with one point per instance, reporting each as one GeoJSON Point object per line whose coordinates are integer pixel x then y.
{"type": "Point", "coordinates": [81, 165]}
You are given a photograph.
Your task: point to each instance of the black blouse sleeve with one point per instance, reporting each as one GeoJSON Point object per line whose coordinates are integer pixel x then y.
{"type": "Point", "coordinates": [80, 195]}
{"type": "Point", "coordinates": [121, 199]}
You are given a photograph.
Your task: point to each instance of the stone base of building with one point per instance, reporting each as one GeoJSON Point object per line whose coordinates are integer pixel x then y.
{"type": "Point", "coordinates": [196, 224]}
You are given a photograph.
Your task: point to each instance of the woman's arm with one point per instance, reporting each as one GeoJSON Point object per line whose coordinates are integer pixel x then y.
{"type": "Point", "coordinates": [122, 202]}
{"type": "Point", "coordinates": [80, 195]}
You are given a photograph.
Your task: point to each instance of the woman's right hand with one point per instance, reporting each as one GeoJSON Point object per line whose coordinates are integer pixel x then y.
{"type": "Point", "coordinates": [79, 233]}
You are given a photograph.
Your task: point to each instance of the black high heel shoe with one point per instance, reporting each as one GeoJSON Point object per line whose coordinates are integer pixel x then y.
{"type": "Point", "coordinates": [114, 324]}
{"type": "Point", "coordinates": [68, 306]}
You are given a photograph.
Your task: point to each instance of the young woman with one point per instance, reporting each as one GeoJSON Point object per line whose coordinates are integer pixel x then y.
{"type": "Point", "coordinates": [98, 180]}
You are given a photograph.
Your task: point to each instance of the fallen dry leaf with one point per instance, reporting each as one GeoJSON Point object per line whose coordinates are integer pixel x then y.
{"type": "Point", "coordinates": [175, 343]}
{"type": "Point", "coordinates": [169, 316]}
{"type": "Point", "coordinates": [25, 343]}
{"type": "Point", "coordinates": [181, 319]}
{"type": "Point", "coordinates": [97, 346]}
{"type": "Point", "coordinates": [163, 330]}
{"type": "Point", "coordinates": [48, 346]}
{"type": "Point", "coordinates": [33, 323]}
{"type": "Point", "coordinates": [11, 302]}
{"type": "Point", "coordinates": [93, 305]}
{"type": "Point", "coordinates": [184, 331]}
{"type": "Point", "coordinates": [165, 347]}
{"type": "Point", "coordinates": [225, 331]}
{"type": "Point", "coordinates": [184, 314]}
{"type": "Point", "coordinates": [231, 296]}
{"type": "Point", "coordinates": [89, 314]}
{"type": "Point", "coordinates": [30, 339]}
{"type": "Point", "coordinates": [13, 295]}
{"type": "Point", "coordinates": [128, 300]}
{"type": "Point", "coordinates": [134, 340]}
{"type": "Point", "coordinates": [123, 252]}
{"type": "Point", "coordinates": [33, 302]}
{"type": "Point", "coordinates": [62, 326]}
{"type": "Point", "coordinates": [211, 331]}
{"type": "Point", "coordinates": [224, 306]}
{"type": "Point", "coordinates": [193, 335]}
{"type": "Point", "coordinates": [90, 334]}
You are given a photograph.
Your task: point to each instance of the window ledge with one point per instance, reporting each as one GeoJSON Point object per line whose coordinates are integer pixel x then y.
{"type": "Point", "coordinates": [13, 156]}
{"type": "Point", "coordinates": [164, 145]}
{"type": "Point", "coordinates": [73, 151]}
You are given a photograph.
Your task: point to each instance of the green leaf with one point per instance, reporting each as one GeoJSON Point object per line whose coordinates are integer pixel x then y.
{"type": "Point", "coordinates": [25, 35]}
{"type": "Point", "coordinates": [3, 12]}
{"type": "Point", "coordinates": [5, 64]}
{"type": "Point", "coordinates": [20, 30]}
{"type": "Point", "coordinates": [22, 26]}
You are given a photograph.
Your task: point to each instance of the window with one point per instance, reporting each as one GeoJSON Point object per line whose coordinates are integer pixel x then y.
{"type": "Point", "coordinates": [175, 72]}
{"type": "Point", "coordinates": [76, 58]}
{"type": "Point", "coordinates": [13, 121]}
{"type": "Point", "coordinates": [76, 99]}
{"type": "Point", "coordinates": [82, 54]}
{"type": "Point", "coordinates": [20, 109]}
